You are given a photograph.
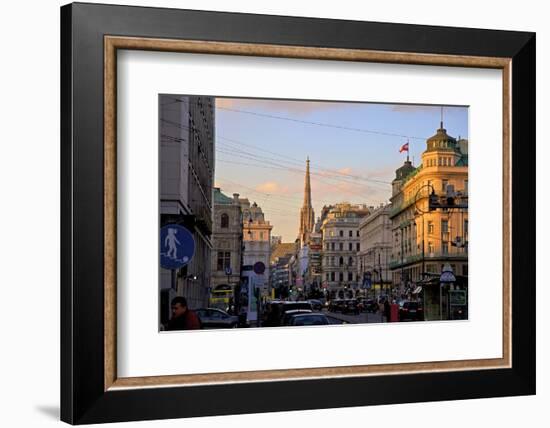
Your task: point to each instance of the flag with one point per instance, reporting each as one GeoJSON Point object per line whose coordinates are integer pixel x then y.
{"type": "Point", "coordinates": [404, 147]}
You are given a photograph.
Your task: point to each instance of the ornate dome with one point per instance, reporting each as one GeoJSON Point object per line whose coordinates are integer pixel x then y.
{"type": "Point", "coordinates": [442, 141]}
{"type": "Point", "coordinates": [404, 170]}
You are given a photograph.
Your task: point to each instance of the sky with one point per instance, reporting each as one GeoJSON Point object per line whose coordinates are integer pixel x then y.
{"type": "Point", "coordinates": [261, 149]}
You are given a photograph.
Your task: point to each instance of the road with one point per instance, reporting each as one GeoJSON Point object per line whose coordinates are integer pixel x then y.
{"type": "Point", "coordinates": [362, 318]}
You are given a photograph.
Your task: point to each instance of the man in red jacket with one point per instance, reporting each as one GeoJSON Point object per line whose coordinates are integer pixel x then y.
{"type": "Point", "coordinates": [183, 318]}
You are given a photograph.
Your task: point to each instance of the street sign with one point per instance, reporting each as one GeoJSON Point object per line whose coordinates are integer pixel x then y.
{"type": "Point", "coordinates": [447, 274]}
{"type": "Point", "coordinates": [259, 268]}
{"type": "Point", "coordinates": [177, 246]}
{"type": "Point", "coordinates": [367, 280]}
{"type": "Point", "coordinates": [457, 297]}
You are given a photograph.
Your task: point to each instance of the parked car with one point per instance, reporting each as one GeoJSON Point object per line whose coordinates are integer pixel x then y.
{"type": "Point", "coordinates": [409, 310]}
{"type": "Point", "coordinates": [316, 304]}
{"type": "Point", "coordinates": [216, 318]}
{"type": "Point", "coordinates": [350, 307]}
{"type": "Point", "coordinates": [289, 314]}
{"type": "Point", "coordinates": [370, 305]}
{"type": "Point", "coordinates": [336, 305]}
{"type": "Point", "coordinates": [284, 307]}
{"type": "Point", "coordinates": [314, 318]}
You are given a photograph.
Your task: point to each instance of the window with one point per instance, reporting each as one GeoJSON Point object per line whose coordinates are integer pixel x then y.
{"type": "Point", "coordinates": [341, 246]}
{"type": "Point", "coordinates": [341, 261]}
{"type": "Point", "coordinates": [430, 228]}
{"type": "Point", "coordinates": [358, 246]}
{"type": "Point", "coordinates": [465, 270]}
{"type": "Point", "coordinates": [224, 260]}
{"type": "Point", "coordinates": [224, 221]}
{"type": "Point", "coordinates": [430, 247]}
{"type": "Point", "coordinates": [350, 234]}
{"type": "Point", "coordinates": [445, 247]}
{"type": "Point", "coordinates": [332, 233]}
{"type": "Point", "coordinates": [328, 276]}
{"type": "Point", "coordinates": [350, 261]}
{"type": "Point", "coordinates": [444, 226]}
{"type": "Point", "coordinates": [350, 276]}
{"type": "Point", "coordinates": [332, 246]}
{"type": "Point", "coordinates": [341, 233]}
{"type": "Point", "coordinates": [465, 227]}
{"type": "Point", "coordinates": [466, 186]}
{"type": "Point", "coordinates": [357, 233]}
{"type": "Point", "coordinates": [350, 246]}
{"type": "Point", "coordinates": [332, 276]}
{"type": "Point", "coordinates": [261, 236]}
{"type": "Point", "coordinates": [341, 276]}
{"type": "Point", "coordinates": [444, 184]}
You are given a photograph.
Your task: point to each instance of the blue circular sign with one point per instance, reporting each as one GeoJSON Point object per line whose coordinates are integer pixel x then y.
{"type": "Point", "coordinates": [177, 246]}
{"type": "Point", "coordinates": [259, 268]}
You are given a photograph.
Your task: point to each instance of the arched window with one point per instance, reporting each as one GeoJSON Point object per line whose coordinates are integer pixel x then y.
{"type": "Point", "coordinates": [225, 220]}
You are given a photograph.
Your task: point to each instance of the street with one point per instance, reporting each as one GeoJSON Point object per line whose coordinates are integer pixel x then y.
{"type": "Point", "coordinates": [361, 318]}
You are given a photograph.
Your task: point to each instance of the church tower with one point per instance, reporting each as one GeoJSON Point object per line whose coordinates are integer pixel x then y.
{"type": "Point", "coordinates": [307, 216]}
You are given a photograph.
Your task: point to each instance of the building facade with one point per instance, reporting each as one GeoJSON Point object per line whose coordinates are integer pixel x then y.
{"type": "Point", "coordinates": [341, 244]}
{"type": "Point", "coordinates": [227, 240]}
{"type": "Point", "coordinates": [375, 237]}
{"type": "Point", "coordinates": [256, 238]}
{"type": "Point", "coordinates": [424, 240]}
{"type": "Point", "coordinates": [186, 176]}
{"type": "Point", "coordinates": [281, 253]}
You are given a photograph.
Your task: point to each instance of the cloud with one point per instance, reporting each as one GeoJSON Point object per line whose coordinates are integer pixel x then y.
{"type": "Point", "coordinates": [272, 188]}
{"type": "Point", "coordinates": [345, 171]}
{"type": "Point", "coordinates": [280, 106]}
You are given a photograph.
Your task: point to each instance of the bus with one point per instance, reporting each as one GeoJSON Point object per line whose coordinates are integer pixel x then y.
{"type": "Point", "coordinates": [221, 297]}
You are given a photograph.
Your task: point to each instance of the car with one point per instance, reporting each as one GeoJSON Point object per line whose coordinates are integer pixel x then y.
{"type": "Point", "coordinates": [216, 318]}
{"type": "Point", "coordinates": [410, 310]}
{"type": "Point", "coordinates": [289, 314]}
{"type": "Point", "coordinates": [350, 306]}
{"type": "Point", "coordinates": [370, 305]}
{"type": "Point", "coordinates": [316, 304]}
{"type": "Point", "coordinates": [314, 318]}
{"type": "Point", "coordinates": [337, 305]}
{"type": "Point", "coordinates": [289, 306]}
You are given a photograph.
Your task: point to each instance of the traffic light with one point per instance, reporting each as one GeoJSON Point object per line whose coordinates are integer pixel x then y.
{"type": "Point", "coordinates": [433, 201]}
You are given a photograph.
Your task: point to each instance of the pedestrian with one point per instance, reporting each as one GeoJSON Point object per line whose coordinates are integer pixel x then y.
{"type": "Point", "coordinates": [387, 310]}
{"type": "Point", "coordinates": [183, 318]}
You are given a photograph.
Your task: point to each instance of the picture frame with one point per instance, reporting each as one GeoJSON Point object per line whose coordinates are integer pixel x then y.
{"type": "Point", "coordinates": [91, 392]}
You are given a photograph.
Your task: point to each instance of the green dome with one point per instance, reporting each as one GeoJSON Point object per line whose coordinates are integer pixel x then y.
{"type": "Point", "coordinates": [404, 170]}
{"type": "Point", "coordinates": [442, 141]}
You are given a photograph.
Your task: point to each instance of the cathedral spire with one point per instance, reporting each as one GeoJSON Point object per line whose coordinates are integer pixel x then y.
{"type": "Point", "coordinates": [307, 216]}
{"type": "Point", "coordinates": [307, 185]}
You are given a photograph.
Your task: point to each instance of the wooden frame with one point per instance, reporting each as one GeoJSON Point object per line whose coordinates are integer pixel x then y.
{"type": "Point", "coordinates": [91, 391]}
